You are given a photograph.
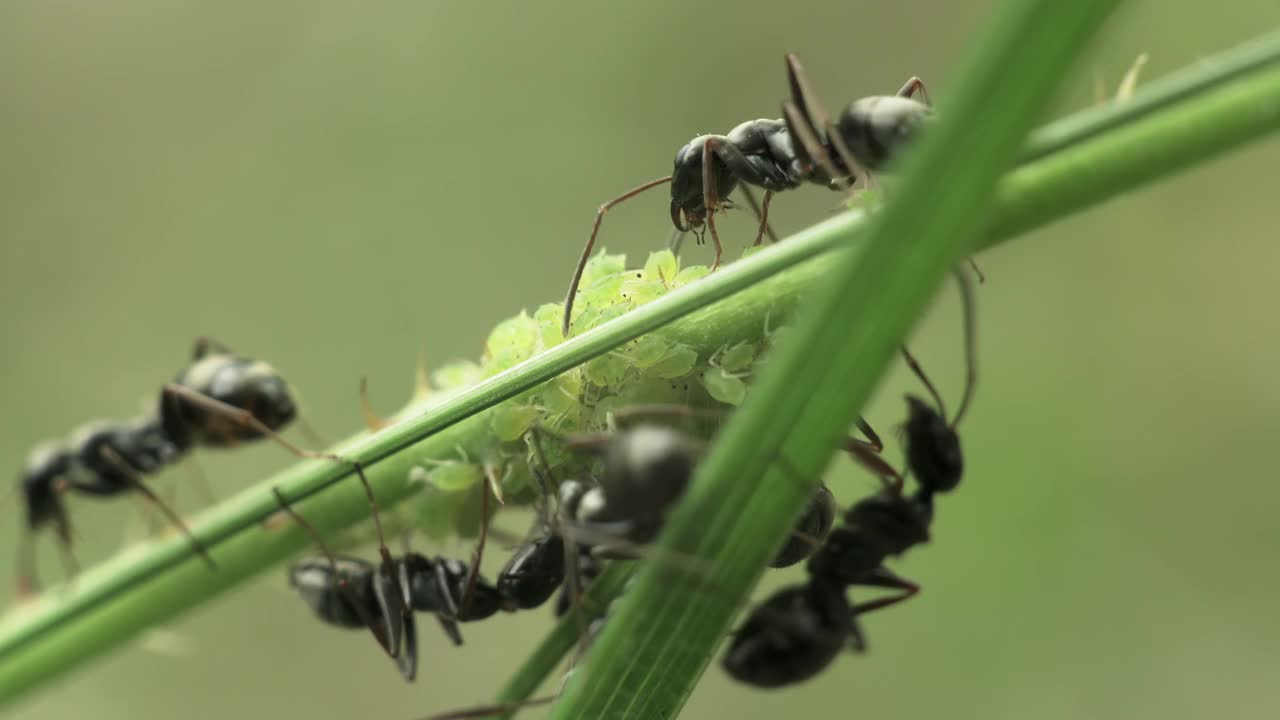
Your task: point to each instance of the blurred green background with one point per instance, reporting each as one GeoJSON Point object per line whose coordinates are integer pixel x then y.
{"type": "Point", "coordinates": [335, 186]}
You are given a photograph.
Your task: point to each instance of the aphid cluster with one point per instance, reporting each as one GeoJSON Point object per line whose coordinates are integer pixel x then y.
{"type": "Point", "coordinates": [219, 400]}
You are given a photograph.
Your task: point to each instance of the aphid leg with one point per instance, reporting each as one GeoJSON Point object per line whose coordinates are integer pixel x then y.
{"type": "Point", "coordinates": [1130, 81]}
{"type": "Point", "coordinates": [344, 585]}
{"type": "Point", "coordinates": [762, 213]}
{"type": "Point", "coordinates": [110, 455]}
{"type": "Point", "coordinates": [591, 243]}
{"type": "Point", "coordinates": [421, 379]}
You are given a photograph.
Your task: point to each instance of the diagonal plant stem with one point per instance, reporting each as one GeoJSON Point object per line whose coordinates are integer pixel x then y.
{"type": "Point", "coordinates": [744, 499]}
{"type": "Point", "coordinates": [155, 581]}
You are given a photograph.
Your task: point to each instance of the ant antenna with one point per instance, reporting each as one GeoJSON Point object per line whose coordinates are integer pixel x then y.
{"type": "Point", "coordinates": [968, 305]}
{"type": "Point", "coordinates": [591, 243]}
{"type": "Point", "coordinates": [924, 379]}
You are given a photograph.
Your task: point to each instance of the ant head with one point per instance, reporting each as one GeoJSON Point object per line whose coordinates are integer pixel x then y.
{"type": "Point", "coordinates": [933, 448]}
{"type": "Point", "coordinates": [646, 469]}
{"type": "Point", "coordinates": [688, 205]}
{"type": "Point", "coordinates": [874, 127]}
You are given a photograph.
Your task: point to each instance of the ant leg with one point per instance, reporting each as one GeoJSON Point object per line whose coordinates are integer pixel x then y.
{"type": "Point", "coordinates": [865, 428]}
{"type": "Point", "coordinates": [809, 113]}
{"type": "Point", "coordinates": [710, 195]}
{"type": "Point", "coordinates": [477, 553]}
{"type": "Point", "coordinates": [968, 307]}
{"type": "Point", "coordinates": [25, 584]}
{"type": "Point", "coordinates": [131, 476]}
{"type": "Point", "coordinates": [869, 458]}
{"type": "Point", "coordinates": [913, 87]}
{"type": "Point", "coordinates": [591, 242]}
{"type": "Point", "coordinates": [924, 379]}
{"type": "Point", "coordinates": [200, 481]}
{"type": "Point", "coordinates": [762, 214]}
{"type": "Point", "coordinates": [249, 420]}
{"type": "Point", "coordinates": [371, 419]}
{"type": "Point", "coordinates": [881, 577]}
{"type": "Point", "coordinates": [344, 585]}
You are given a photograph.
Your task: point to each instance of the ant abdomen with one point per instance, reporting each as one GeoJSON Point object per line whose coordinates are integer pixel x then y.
{"type": "Point", "coordinates": [792, 636]}
{"type": "Point", "coordinates": [874, 127]}
{"type": "Point", "coordinates": [319, 583]}
{"type": "Point", "coordinates": [250, 385]}
{"type": "Point", "coordinates": [534, 573]}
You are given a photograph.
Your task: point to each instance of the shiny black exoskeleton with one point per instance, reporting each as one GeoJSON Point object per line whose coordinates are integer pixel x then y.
{"type": "Point", "coordinates": [799, 630]}
{"type": "Point", "coordinates": [102, 459]}
{"type": "Point", "coordinates": [216, 374]}
{"type": "Point", "coordinates": [382, 597]}
{"type": "Point", "coordinates": [219, 400]}
{"type": "Point", "coordinates": [804, 146]}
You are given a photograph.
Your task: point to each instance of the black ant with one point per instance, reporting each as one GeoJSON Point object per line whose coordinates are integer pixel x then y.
{"type": "Point", "coordinates": [795, 633]}
{"type": "Point", "coordinates": [219, 400]}
{"type": "Point", "coordinates": [804, 146]}
{"type": "Point", "coordinates": [355, 593]}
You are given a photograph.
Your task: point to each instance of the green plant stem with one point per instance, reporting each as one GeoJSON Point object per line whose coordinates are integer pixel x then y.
{"type": "Point", "coordinates": [744, 500]}
{"type": "Point", "coordinates": [153, 582]}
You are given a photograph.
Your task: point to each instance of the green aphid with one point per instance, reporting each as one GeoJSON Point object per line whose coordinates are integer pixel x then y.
{"type": "Point", "coordinates": [678, 362]}
{"type": "Point", "coordinates": [453, 475]}
{"type": "Point", "coordinates": [640, 292]}
{"type": "Point", "coordinates": [607, 370]}
{"type": "Point", "coordinates": [547, 316]}
{"type": "Point", "coordinates": [723, 386]}
{"type": "Point", "coordinates": [603, 264]}
{"type": "Point", "coordinates": [662, 266]}
{"type": "Point", "coordinates": [513, 341]}
{"type": "Point", "coordinates": [511, 422]}
{"type": "Point", "coordinates": [647, 351]}
{"type": "Point", "coordinates": [436, 510]}
{"type": "Point", "coordinates": [738, 358]}
{"type": "Point", "coordinates": [456, 375]}
{"type": "Point", "coordinates": [561, 397]}
{"type": "Point", "coordinates": [689, 274]}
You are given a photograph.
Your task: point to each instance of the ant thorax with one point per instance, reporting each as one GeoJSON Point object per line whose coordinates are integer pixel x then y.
{"type": "Point", "coordinates": [250, 385]}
